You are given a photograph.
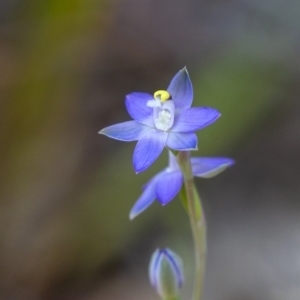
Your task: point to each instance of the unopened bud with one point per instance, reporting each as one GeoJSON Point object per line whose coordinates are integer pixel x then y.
{"type": "Point", "coordinates": [166, 273]}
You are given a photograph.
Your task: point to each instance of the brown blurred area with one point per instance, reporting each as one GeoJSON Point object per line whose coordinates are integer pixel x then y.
{"type": "Point", "coordinates": [65, 192]}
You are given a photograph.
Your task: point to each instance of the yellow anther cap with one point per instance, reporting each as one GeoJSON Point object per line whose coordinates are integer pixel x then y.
{"type": "Point", "coordinates": [162, 95]}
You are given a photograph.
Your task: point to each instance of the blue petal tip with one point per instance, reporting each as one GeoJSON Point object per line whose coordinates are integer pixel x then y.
{"type": "Point", "coordinates": [132, 216]}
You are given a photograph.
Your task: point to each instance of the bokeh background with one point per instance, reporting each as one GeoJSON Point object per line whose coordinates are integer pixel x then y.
{"type": "Point", "coordinates": [65, 67]}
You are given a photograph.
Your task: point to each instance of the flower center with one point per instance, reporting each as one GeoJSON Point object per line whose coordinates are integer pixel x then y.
{"type": "Point", "coordinates": [163, 110]}
{"type": "Point", "coordinates": [163, 120]}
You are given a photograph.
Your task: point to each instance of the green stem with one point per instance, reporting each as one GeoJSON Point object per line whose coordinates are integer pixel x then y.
{"type": "Point", "coordinates": [197, 220]}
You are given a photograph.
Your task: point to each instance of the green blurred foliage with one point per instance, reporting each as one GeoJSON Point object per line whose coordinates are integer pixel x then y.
{"type": "Point", "coordinates": [244, 90]}
{"type": "Point", "coordinates": [40, 148]}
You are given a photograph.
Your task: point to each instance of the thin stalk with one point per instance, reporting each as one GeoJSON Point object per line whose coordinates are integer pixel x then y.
{"type": "Point", "coordinates": [197, 220]}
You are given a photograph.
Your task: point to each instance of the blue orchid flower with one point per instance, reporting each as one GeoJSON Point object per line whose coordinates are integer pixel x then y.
{"type": "Point", "coordinates": [165, 185]}
{"type": "Point", "coordinates": [164, 119]}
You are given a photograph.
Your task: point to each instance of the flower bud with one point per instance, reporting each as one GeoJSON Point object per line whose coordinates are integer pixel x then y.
{"type": "Point", "coordinates": [166, 273]}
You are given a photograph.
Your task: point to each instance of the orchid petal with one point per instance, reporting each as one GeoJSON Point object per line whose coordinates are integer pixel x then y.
{"type": "Point", "coordinates": [181, 90]}
{"type": "Point", "coordinates": [208, 167]}
{"type": "Point", "coordinates": [136, 104]}
{"type": "Point", "coordinates": [177, 264]}
{"type": "Point", "coordinates": [127, 131]}
{"type": "Point", "coordinates": [148, 149]}
{"type": "Point", "coordinates": [153, 267]}
{"type": "Point", "coordinates": [146, 199]}
{"type": "Point", "coordinates": [195, 118]}
{"type": "Point", "coordinates": [182, 141]}
{"type": "Point", "coordinates": [168, 186]}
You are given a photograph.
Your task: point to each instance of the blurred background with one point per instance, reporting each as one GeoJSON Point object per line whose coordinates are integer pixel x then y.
{"type": "Point", "coordinates": [66, 192]}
